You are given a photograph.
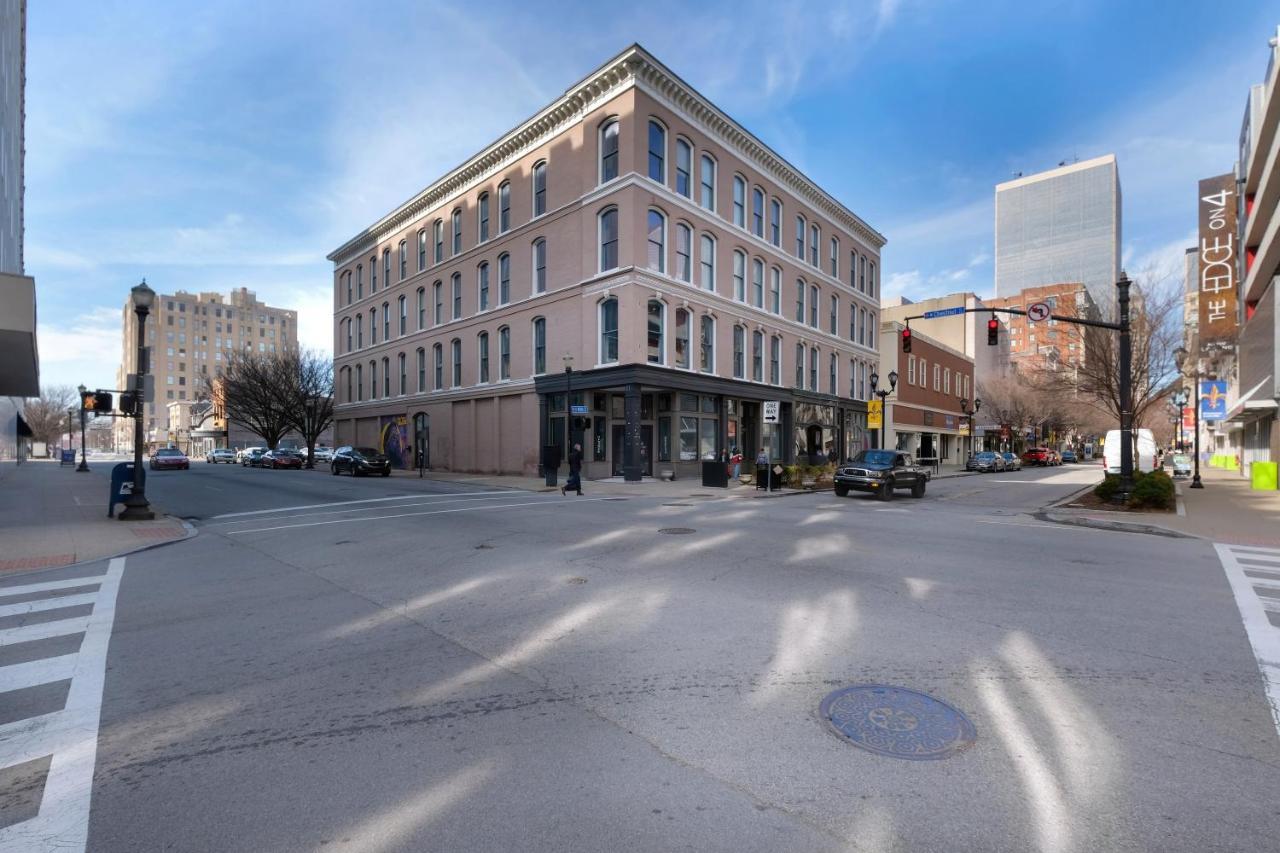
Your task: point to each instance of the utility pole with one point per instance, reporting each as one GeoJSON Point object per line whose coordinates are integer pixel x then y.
{"type": "Point", "coordinates": [1126, 393]}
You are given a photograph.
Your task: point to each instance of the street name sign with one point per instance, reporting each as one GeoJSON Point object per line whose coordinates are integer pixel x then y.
{"type": "Point", "coordinates": [577, 410]}
{"type": "Point", "coordinates": [943, 312]}
{"type": "Point", "coordinates": [1038, 311]}
{"type": "Point", "coordinates": [771, 415]}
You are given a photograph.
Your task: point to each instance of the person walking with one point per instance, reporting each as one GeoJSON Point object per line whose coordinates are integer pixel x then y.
{"type": "Point", "coordinates": [575, 471]}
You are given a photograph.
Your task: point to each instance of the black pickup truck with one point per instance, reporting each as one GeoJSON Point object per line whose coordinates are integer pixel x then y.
{"type": "Point", "coordinates": [880, 472]}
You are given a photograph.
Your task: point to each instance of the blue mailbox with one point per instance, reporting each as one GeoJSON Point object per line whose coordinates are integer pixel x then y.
{"type": "Point", "coordinates": [122, 476]}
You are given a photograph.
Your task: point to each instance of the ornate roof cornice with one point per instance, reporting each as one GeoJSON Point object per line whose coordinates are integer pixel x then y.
{"type": "Point", "coordinates": [631, 67]}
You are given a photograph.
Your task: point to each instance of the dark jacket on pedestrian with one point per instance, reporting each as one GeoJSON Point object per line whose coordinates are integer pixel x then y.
{"type": "Point", "coordinates": [575, 460]}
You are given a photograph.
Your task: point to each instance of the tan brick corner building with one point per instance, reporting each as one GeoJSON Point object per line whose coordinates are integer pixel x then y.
{"type": "Point", "coordinates": [629, 268]}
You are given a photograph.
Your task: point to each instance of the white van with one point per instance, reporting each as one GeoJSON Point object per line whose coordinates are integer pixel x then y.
{"type": "Point", "coordinates": [1144, 457]}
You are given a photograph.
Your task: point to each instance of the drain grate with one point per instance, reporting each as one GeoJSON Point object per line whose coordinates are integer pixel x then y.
{"type": "Point", "coordinates": [677, 531]}
{"type": "Point", "coordinates": [898, 722]}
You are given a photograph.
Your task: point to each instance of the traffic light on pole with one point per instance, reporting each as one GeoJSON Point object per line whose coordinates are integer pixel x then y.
{"type": "Point", "coordinates": [102, 402]}
{"type": "Point", "coordinates": [906, 339]}
{"type": "Point", "coordinates": [993, 332]}
{"type": "Point", "coordinates": [87, 400]}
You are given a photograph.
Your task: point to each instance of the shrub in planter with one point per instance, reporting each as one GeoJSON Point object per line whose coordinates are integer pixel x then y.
{"type": "Point", "coordinates": [1154, 491]}
{"type": "Point", "coordinates": [1106, 490]}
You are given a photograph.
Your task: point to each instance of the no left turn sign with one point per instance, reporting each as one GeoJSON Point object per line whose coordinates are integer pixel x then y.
{"type": "Point", "coordinates": [1038, 311]}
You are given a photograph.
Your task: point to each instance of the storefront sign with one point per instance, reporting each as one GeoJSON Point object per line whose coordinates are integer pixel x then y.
{"type": "Point", "coordinates": [1218, 259]}
{"type": "Point", "coordinates": [1188, 417]}
{"type": "Point", "coordinates": [1213, 400]}
{"type": "Point", "coordinates": [875, 414]}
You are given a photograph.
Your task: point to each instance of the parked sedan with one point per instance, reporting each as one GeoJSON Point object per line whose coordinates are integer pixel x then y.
{"type": "Point", "coordinates": [323, 454]}
{"type": "Point", "coordinates": [169, 457]}
{"type": "Point", "coordinates": [1068, 456]}
{"type": "Point", "coordinates": [1181, 464]}
{"type": "Point", "coordinates": [985, 462]}
{"type": "Point", "coordinates": [1037, 456]}
{"type": "Point", "coordinates": [280, 458]}
{"type": "Point", "coordinates": [250, 457]}
{"type": "Point", "coordinates": [1011, 461]}
{"type": "Point", "coordinates": [360, 461]}
{"type": "Point", "coordinates": [220, 454]}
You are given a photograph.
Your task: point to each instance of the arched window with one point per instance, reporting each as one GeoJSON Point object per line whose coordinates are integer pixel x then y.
{"type": "Point", "coordinates": [373, 275]}
{"type": "Point", "coordinates": [657, 152]}
{"type": "Point", "coordinates": [739, 354]}
{"type": "Point", "coordinates": [657, 240]}
{"type": "Point", "coordinates": [359, 281]}
{"type": "Point", "coordinates": [871, 330]}
{"type": "Point", "coordinates": [456, 346]}
{"type": "Point", "coordinates": [540, 345]}
{"type": "Point", "coordinates": [862, 273]}
{"type": "Point", "coordinates": [800, 237]}
{"type": "Point", "coordinates": [684, 252]}
{"type": "Point", "coordinates": [386, 266]}
{"type": "Point", "coordinates": [437, 360]}
{"type": "Point", "coordinates": [482, 286]}
{"type": "Point", "coordinates": [815, 238]}
{"type": "Point", "coordinates": [775, 360]}
{"type": "Point", "coordinates": [437, 293]}
{"type": "Point", "coordinates": [404, 314]}
{"type": "Point", "coordinates": [609, 151]}
{"type": "Point", "coordinates": [373, 326]}
{"type": "Point", "coordinates": [834, 314]}
{"type": "Point", "coordinates": [504, 278]}
{"type": "Point", "coordinates": [347, 371]}
{"type": "Point", "coordinates": [757, 282]}
{"type": "Point", "coordinates": [373, 380]}
{"type": "Point", "coordinates": [456, 231]}
{"type": "Point", "coordinates": [608, 239]}
{"type": "Point", "coordinates": [504, 207]}
{"type": "Point", "coordinates": [800, 291]}
{"type": "Point", "coordinates": [707, 263]}
{"type": "Point", "coordinates": [609, 331]}
{"type": "Point", "coordinates": [739, 276]}
{"type": "Point", "coordinates": [437, 235]}
{"type": "Point", "coordinates": [482, 218]}
{"type": "Point", "coordinates": [483, 346]}
{"type": "Point", "coordinates": [707, 344]}
{"type": "Point", "coordinates": [799, 365]}
{"type": "Point", "coordinates": [757, 356]}
{"type": "Point", "coordinates": [862, 325]}
{"type": "Point", "coordinates": [422, 249]}
{"type": "Point", "coordinates": [872, 281]}
{"type": "Point", "coordinates": [835, 258]}
{"type": "Point", "coordinates": [682, 338]}
{"type": "Point", "coordinates": [814, 296]}
{"type": "Point", "coordinates": [386, 376]}
{"type": "Point", "coordinates": [684, 168]}
{"type": "Point", "coordinates": [853, 269]}
{"type": "Point", "coordinates": [831, 375]}
{"type": "Point", "coordinates": [775, 222]}
{"type": "Point", "coordinates": [814, 355]}
{"type": "Point", "coordinates": [404, 377]}
{"type": "Point", "coordinates": [504, 353]}
{"type": "Point", "coordinates": [422, 370]}
{"type": "Point", "coordinates": [348, 322]}
{"type": "Point", "coordinates": [540, 265]}
{"type": "Point", "coordinates": [775, 290]}
{"type": "Point", "coordinates": [422, 308]}
{"type": "Point", "coordinates": [386, 321]}
{"type": "Point", "coordinates": [540, 188]}
{"type": "Point", "coordinates": [656, 331]}
{"type": "Point", "coordinates": [456, 282]}
{"type": "Point", "coordinates": [757, 212]}
{"type": "Point", "coordinates": [359, 332]}
{"type": "Point", "coordinates": [739, 201]}
{"type": "Point", "coordinates": [359, 382]}
{"type": "Point", "coordinates": [346, 277]}
{"type": "Point", "coordinates": [707, 182]}
{"type": "Point", "coordinates": [404, 259]}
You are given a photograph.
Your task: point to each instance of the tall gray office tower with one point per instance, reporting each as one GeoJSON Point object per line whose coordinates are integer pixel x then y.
{"type": "Point", "coordinates": [1062, 225]}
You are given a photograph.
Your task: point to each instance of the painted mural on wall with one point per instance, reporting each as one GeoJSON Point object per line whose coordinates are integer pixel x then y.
{"type": "Point", "coordinates": [393, 440]}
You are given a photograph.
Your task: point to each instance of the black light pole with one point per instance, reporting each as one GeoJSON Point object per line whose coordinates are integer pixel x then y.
{"type": "Point", "coordinates": [1126, 393]}
{"type": "Point", "coordinates": [969, 413]}
{"type": "Point", "coordinates": [84, 462]}
{"type": "Point", "coordinates": [893, 383]}
{"type": "Point", "coordinates": [136, 506]}
{"type": "Point", "coordinates": [1180, 359]}
{"type": "Point", "coordinates": [1180, 402]}
{"type": "Point", "coordinates": [568, 403]}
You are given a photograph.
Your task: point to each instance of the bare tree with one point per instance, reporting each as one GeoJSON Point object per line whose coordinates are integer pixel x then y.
{"type": "Point", "coordinates": [47, 414]}
{"type": "Point", "coordinates": [310, 409]}
{"type": "Point", "coordinates": [257, 392]}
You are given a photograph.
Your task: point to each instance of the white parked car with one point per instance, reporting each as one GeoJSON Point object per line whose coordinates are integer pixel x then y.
{"type": "Point", "coordinates": [323, 454]}
{"type": "Point", "coordinates": [248, 451]}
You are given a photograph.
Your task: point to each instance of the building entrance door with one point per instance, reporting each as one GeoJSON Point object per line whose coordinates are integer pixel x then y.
{"type": "Point", "coordinates": [749, 432]}
{"type": "Point", "coordinates": [422, 440]}
{"type": "Point", "coordinates": [646, 449]}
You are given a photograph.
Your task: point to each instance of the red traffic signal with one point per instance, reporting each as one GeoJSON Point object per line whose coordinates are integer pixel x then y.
{"type": "Point", "coordinates": [993, 332]}
{"type": "Point", "coordinates": [906, 340]}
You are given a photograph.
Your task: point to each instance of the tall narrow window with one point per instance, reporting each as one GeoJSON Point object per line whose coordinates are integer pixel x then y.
{"type": "Point", "coordinates": [482, 286]}
{"type": "Point", "coordinates": [739, 276]}
{"type": "Point", "coordinates": [775, 360]}
{"type": "Point", "coordinates": [609, 331]}
{"type": "Point", "coordinates": [347, 373]}
{"type": "Point", "coordinates": [835, 258]}
{"type": "Point", "coordinates": [657, 152]}
{"type": "Point", "coordinates": [539, 188]}
{"type": "Point", "coordinates": [359, 332]}
{"type": "Point", "coordinates": [707, 342]}
{"type": "Point", "coordinates": [483, 346]}
{"type": "Point", "coordinates": [684, 168]}
{"type": "Point", "coordinates": [422, 250]}
{"type": "Point", "coordinates": [386, 267]}
{"type": "Point", "coordinates": [682, 338]}
{"type": "Point", "coordinates": [739, 354]}
{"type": "Point", "coordinates": [862, 325]}
{"type": "Point", "coordinates": [871, 330]}
{"type": "Point", "coordinates": [757, 356]}
{"type": "Point", "coordinates": [360, 281]}
{"type": "Point", "coordinates": [504, 207]}
{"type": "Point", "coordinates": [657, 240]}
{"type": "Point", "coordinates": [348, 322]}
{"type": "Point", "coordinates": [815, 237]}
{"type": "Point", "coordinates": [656, 332]}
{"type": "Point", "coordinates": [456, 347]}
{"type": "Point", "coordinates": [373, 326]}
{"type": "Point", "coordinates": [437, 236]}
{"type": "Point", "coordinates": [437, 291]}
{"type": "Point", "coordinates": [813, 369]}
{"type": "Point", "coordinates": [707, 179]}
{"type": "Point", "coordinates": [800, 237]}
{"type": "Point", "coordinates": [359, 382]}
{"type": "Point", "coordinates": [422, 370]}
{"type": "Point", "coordinates": [800, 289]}
{"type": "Point", "coordinates": [739, 202]}
{"type": "Point", "coordinates": [609, 152]}
{"type": "Point", "coordinates": [437, 359]}
{"type": "Point", "coordinates": [456, 282]}
{"type": "Point", "coordinates": [373, 380]}
{"type": "Point", "coordinates": [347, 276]}
{"type": "Point", "coordinates": [862, 273]}
{"type": "Point", "coordinates": [775, 290]}
{"type": "Point", "coordinates": [799, 365]}
{"type": "Point", "coordinates": [609, 239]}
{"type": "Point", "coordinates": [834, 317]}
{"type": "Point", "coordinates": [814, 296]}
{"type": "Point", "coordinates": [482, 218]}
{"type": "Point", "coordinates": [684, 252]}
{"type": "Point", "coordinates": [873, 282]}
{"type": "Point", "coordinates": [386, 376]}
{"type": "Point", "coordinates": [539, 346]}
{"type": "Point", "coordinates": [404, 375]}
{"type": "Point", "coordinates": [404, 259]}
{"type": "Point", "coordinates": [775, 222]}
{"type": "Point", "coordinates": [504, 353]}
{"type": "Point", "coordinates": [539, 266]}
{"type": "Point", "coordinates": [831, 375]}
{"type": "Point", "coordinates": [757, 212]}
{"type": "Point", "coordinates": [707, 263]}
{"type": "Point", "coordinates": [373, 275]}
{"type": "Point", "coordinates": [504, 278]}
{"type": "Point", "coordinates": [757, 283]}
{"type": "Point", "coordinates": [404, 315]}
{"type": "Point", "coordinates": [457, 232]}
{"type": "Point", "coordinates": [386, 321]}
{"type": "Point", "coordinates": [853, 323]}
{"type": "Point", "coordinates": [853, 269]}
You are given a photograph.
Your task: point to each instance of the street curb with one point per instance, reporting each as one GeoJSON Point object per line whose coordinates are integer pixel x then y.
{"type": "Point", "coordinates": [190, 528]}
{"type": "Point", "coordinates": [1046, 513]}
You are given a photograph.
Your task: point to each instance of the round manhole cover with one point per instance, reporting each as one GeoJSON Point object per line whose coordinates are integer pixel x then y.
{"type": "Point", "coordinates": [897, 722]}
{"type": "Point", "coordinates": [676, 531]}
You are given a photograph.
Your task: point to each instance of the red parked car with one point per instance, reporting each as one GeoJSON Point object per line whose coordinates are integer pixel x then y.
{"type": "Point", "coordinates": [1039, 456]}
{"type": "Point", "coordinates": [169, 457]}
{"type": "Point", "coordinates": [281, 459]}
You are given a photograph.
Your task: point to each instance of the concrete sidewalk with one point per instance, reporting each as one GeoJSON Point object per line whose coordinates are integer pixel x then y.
{"type": "Point", "coordinates": [52, 516]}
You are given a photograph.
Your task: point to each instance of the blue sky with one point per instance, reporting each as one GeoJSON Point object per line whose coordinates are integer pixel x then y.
{"type": "Point", "coordinates": [227, 144]}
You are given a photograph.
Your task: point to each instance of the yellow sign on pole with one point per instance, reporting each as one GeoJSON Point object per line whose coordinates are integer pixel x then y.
{"type": "Point", "coordinates": [875, 414]}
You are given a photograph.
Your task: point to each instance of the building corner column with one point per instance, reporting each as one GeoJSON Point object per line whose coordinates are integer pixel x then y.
{"type": "Point", "coordinates": [632, 467]}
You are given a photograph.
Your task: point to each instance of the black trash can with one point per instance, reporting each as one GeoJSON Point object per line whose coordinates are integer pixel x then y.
{"type": "Point", "coordinates": [715, 474]}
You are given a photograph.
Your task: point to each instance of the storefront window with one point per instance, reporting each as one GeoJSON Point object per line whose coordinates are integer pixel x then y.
{"type": "Point", "coordinates": [688, 402]}
{"type": "Point", "coordinates": [707, 438]}
{"type": "Point", "coordinates": [664, 439]}
{"type": "Point", "coordinates": [688, 439]}
{"type": "Point", "coordinates": [682, 338]}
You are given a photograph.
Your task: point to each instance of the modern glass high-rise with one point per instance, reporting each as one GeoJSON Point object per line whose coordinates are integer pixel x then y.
{"type": "Point", "coordinates": [1062, 225]}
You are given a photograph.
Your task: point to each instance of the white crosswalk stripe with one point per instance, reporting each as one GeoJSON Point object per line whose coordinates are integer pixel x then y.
{"type": "Point", "coordinates": [68, 736]}
{"type": "Point", "coordinates": [1260, 609]}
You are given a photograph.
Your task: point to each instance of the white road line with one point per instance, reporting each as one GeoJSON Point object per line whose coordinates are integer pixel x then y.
{"type": "Point", "coordinates": [49, 586]}
{"type": "Point", "coordinates": [31, 738]}
{"type": "Point", "coordinates": [346, 503]}
{"type": "Point", "coordinates": [1255, 553]}
{"type": "Point", "coordinates": [48, 604]}
{"type": "Point", "coordinates": [30, 673]}
{"type": "Point", "coordinates": [1263, 636]}
{"type": "Point", "coordinates": [44, 630]}
{"type": "Point", "coordinates": [1259, 558]}
{"type": "Point", "coordinates": [493, 496]}
{"type": "Point", "coordinates": [62, 823]}
{"type": "Point", "coordinates": [539, 502]}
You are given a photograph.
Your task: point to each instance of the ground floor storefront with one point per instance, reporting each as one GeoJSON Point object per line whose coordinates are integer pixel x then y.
{"type": "Point", "coordinates": [631, 422]}
{"type": "Point", "coordinates": [933, 437]}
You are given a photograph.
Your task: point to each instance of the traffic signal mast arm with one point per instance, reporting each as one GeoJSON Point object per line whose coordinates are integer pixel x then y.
{"type": "Point", "coordinates": [1080, 321]}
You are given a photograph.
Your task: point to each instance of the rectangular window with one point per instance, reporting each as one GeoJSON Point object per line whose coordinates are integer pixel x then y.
{"type": "Point", "coordinates": [707, 360]}
{"type": "Point", "coordinates": [482, 286]}
{"type": "Point", "coordinates": [438, 289]}
{"type": "Point", "coordinates": [504, 208]}
{"type": "Point", "coordinates": [775, 290]}
{"type": "Point", "coordinates": [688, 439]}
{"type": "Point", "coordinates": [484, 358]}
{"type": "Point", "coordinates": [800, 288]}
{"type": "Point", "coordinates": [422, 370]}
{"type": "Point", "coordinates": [457, 296]}
{"type": "Point", "coordinates": [757, 283]}
{"type": "Point", "coordinates": [739, 276]}
{"type": "Point", "coordinates": [404, 260]}
{"type": "Point", "coordinates": [800, 237]}
{"type": "Point", "coordinates": [504, 279]}
{"type": "Point", "coordinates": [739, 356]}
{"type": "Point", "coordinates": [835, 314]}
{"type": "Point", "coordinates": [775, 360]}
{"type": "Point", "coordinates": [757, 356]}
{"type": "Point", "coordinates": [799, 365]}
{"type": "Point", "coordinates": [438, 353]}
{"type": "Point", "coordinates": [813, 369]}
{"type": "Point", "coordinates": [946, 381]}
{"type": "Point", "coordinates": [775, 222]}
{"type": "Point", "coordinates": [708, 182]}
{"type": "Point", "coordinates": [739, 202]}
{"type": "Point", "coordinates": [707, 430]}
{"type": "Point", "coordinates": [911, 370]}
{"type": "Point", "coordinates": [457, 232]}
{"type": "Point", "coordinates": [539, 346]}
{"type": "Point", "coordinates": [757, 212]}
{"type": "Point", "coordinates": [937, 377]}
{"type": "Point", "coordinates": [457, 363]}
{"type": "Point", "coordinates": [684, 168]}
{"type": "Point", "coordinates": [504, 353]}
{"type": "Point", "coordinates": [438, 234]}
{"type": "Point", "coordinates": [483, 218]}
{"type": "Point", "coordinates": [835, 258]}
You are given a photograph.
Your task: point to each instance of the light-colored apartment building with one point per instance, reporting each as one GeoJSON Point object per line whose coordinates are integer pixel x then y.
{"type": "Point", "coordinates": [1061, 225]}
{"type": "Point", "coordinates": [1047, 345]}
{"type": "Point", "coordinates": [191, 335]}
{"type": "Point", "coordinates": [966, 333]}
{"type": "Point", "coordinates": [629, 265]}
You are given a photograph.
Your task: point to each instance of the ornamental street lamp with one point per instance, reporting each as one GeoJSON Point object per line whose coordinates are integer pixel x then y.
{"type": "Point", "coordinates": [969, 413]}
{"type": "Point", "coordinates": [893, 383]}
{"type": "Point", "coordinates": [568, 402]}
{"type": "Point", "coordinates": [136, 506]}
{"type": "Point", "coordinates": [1179, 402]}
{"type": "Point", "coordinates": [1180, 360]}
{"type": "Point", "coordinates": [84, 462]}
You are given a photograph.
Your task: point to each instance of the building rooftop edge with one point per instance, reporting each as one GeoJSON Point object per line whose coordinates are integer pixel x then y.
{"type": "Point", "coordinates": [1058, 171]}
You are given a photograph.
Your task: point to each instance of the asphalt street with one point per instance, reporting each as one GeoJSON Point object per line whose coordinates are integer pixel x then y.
{"type": "Point", "coordinates": [370, 665]}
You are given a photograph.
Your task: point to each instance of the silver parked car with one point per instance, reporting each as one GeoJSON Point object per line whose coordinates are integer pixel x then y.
{"type": "Point", "coordinates": [220, 454]}
{"type": "Point", "coordinates": [1011, 461]}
